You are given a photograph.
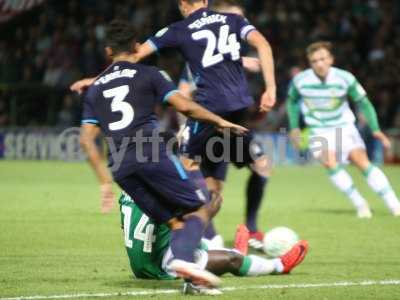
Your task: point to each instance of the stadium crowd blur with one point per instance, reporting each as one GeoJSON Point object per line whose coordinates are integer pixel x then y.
{"type": "Point", "coordinates": [62, 41]}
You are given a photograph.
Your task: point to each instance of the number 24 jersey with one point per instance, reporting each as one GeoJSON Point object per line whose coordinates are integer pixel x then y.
{"type": "Point", "coordinates": [210, 43]}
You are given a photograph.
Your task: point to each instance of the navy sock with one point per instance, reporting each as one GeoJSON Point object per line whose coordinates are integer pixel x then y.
{"type": "Point", "coordinates": [210, 232]}
{"type": "Point", "coordinates": [200, 182]}
{"type": "Point", "coordinates": [185, 241]}
{"type": "Point", "coordinates": [255, 192]}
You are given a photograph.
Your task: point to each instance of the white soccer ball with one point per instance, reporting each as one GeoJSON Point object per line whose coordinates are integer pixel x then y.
{"type": "Point", "coordinates": [278, 241]}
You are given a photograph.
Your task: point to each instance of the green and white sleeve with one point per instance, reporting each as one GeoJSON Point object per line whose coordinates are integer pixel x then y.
{"type": "Point", "coordinates": [293, 107]}
{"type": "Point", "coordinates": [359, 96]}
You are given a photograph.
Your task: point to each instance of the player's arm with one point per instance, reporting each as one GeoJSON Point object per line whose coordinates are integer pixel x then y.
{"type": "Point", "coordinates": [144, 50]}
{"type": "Point", "coordinates": [89, 133]}
{"type": "Point", "coordinates": [359, 96]}
{"type": "Point", "coordinates": [193, 110]}
{"type": "Point", "coordinates": [81, 85]}
{"type": "Point", "coordinates": [167, 92]}
{"type": "Point", "coordinates": [164, 38]}
{"type": "Point", "coordinates": [259, 42]}
{"type": "Point", "coordinates": [293, 112]}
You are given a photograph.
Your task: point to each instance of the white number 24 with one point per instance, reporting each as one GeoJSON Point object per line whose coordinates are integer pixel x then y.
{"type": "Point", "coordinates": [118, 96]}
{"type": "Point", "coordinates": [227, 43]}
{"type": "Point", "coordinates": [143, 231]}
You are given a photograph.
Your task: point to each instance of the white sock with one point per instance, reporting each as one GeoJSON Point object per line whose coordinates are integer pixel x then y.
{"type": "Point", "coordinates": [261, 266]}
{"type": "Point", "coordinates": [378, 182]}
{"type": "Point", "coordinates": [343, 181]}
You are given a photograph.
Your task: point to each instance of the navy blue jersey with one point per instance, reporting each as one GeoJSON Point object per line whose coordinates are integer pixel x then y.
{"type": "Point", "coordinates": [210, 43]}
{"type": "Point", "coordinates": [122, 101]}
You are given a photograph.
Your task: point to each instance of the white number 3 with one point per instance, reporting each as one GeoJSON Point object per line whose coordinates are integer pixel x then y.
{"type": "Point", "coordinates": [118, 94]}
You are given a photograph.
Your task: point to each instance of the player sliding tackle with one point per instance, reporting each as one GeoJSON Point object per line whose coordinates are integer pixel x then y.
{"type": "Point", "coordinates": [321, 94]}
{"type": "Point", "coordinates": [211, 44]}
{"type": "Point", "coordinates": [148, 248]}
{"type": "Point", "coordinates": [121, 104]}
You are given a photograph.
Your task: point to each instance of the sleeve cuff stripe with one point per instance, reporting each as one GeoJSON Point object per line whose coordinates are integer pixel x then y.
{"type": "Point", "coordinates": [246, 30]}
{"type": "Point", "coordinates": [169, 94]}
{"type": "Point", "coordinates": [152, 45]}
{"type": "Point", "coordinates": [90, 121]}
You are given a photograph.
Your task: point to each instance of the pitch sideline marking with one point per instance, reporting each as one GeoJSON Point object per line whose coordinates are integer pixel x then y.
{"type": "Point", "coordinates": [226, 289]}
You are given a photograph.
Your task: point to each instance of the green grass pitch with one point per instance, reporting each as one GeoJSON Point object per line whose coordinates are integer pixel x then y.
{"type": "Point", "coordinates": [54, 241]}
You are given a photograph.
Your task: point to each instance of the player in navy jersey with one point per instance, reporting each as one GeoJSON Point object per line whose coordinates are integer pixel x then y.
{"type": "Point", "coordinates": [121, 104]}
{"type": "Point", "coordinates": [209, 41]}
{"type": "Point", "coordinates": [256, 184]}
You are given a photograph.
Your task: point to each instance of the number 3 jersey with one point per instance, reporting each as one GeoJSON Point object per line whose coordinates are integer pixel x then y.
{"type": "Point", "coordinates": [210, 43]}
{"type": "Point", "coordinates": [122, 101]}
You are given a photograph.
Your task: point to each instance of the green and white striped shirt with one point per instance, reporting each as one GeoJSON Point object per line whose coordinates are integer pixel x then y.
{"type": "Point", "coordinates": [325, 103]}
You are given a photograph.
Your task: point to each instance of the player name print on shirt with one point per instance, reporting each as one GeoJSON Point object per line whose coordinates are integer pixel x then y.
{"type": "Point", "coordinates": [206, 20]}
{"type": "Point", "coordinates": [128, 73]}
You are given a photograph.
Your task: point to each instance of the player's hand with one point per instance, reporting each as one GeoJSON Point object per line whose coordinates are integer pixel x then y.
{"type": "Point", "coordinates": [268, 99]}
{"type": "Point", "coordinates": [81, 85]}
{"type": "Point", "coordinates": [251, 64]}
{"type": "Point", "coordinates": [295, 137]}
{"type": "Point", "coordinates": [386, 143]}
{"type": "Point", "coordinates": [107, 197]}
{"type": "Point", "coordinates": [236, 129]}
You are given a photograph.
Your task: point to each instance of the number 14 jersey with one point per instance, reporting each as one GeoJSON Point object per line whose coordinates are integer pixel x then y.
{"type": "Point", "coordinates": [210, 43]}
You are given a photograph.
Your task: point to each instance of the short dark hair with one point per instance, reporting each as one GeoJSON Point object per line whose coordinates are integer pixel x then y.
{"type": "Point", "coordinates": [190, 1]}
{"type": "Point", "coordinates": [314, 47]}
{"type": "Point", "coordinates": [120, 36]}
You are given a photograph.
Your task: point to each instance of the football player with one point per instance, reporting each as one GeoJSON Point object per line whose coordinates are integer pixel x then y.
{"type": "Point", "coordinates": [321, 94]}
{"type": "Point", "coordinates": [121, 104]}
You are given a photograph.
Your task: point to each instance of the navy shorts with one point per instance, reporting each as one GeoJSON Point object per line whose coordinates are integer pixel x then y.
{"type": "Point", "coordinates": [164, 190]}
{"type": "Point", "coordinates": [203, 140]}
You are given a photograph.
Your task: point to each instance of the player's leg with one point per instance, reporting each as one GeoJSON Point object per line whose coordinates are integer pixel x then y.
{"type": "Point", "coordinates": [229, 261]}
{"type": "Point", "coordinates": [255, 190]}
{"type": "Point", "coordinates": [342, 180]}
{"type": "Point", "coordinates": [215, 174]}
{"type": "Point", "coordinates": [325, 148]}
{"type": "Point", "coordinates": [376, 179]}
{"type": "Point", "coordinates": [248, 151]}
{"type": "Point", "coordinates": [194, 148]}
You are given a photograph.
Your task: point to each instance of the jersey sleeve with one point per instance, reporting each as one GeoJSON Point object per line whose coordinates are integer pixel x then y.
{"type": "Point", "coordinates": [244, 28]}
{"type": "Point", "coordinates": [356, 92]}
{"type": "Point", "coordinates": [163, 85]}
{"type": "Point", "coordinates": [88, 113]}
{"type": "Point", "coordinates": [293, 106]}
{"type": "Point", "coordinates": [167, 37]}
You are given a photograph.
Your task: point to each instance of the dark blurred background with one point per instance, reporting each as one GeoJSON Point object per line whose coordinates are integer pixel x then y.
{"type": "Point", "coordinates": [46, 45]}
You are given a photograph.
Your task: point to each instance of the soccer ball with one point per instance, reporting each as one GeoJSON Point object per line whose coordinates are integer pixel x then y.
{"type": "Point", "coordinates": [278, 241]}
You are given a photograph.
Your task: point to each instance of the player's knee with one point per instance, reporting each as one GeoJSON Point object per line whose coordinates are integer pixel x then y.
{"type": "Point", "coordinates": [208, 210]}
{"type": "Point", "coordinates": [328, 160]}
{"type": "Point", "coordinates": [214, 185]}
{"type": "Point", "coordinates": [360, 159]}
{"type": "Point", "coordinates": [235, 261]}
{"type": "Point", "coordinates": [261, 167]}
